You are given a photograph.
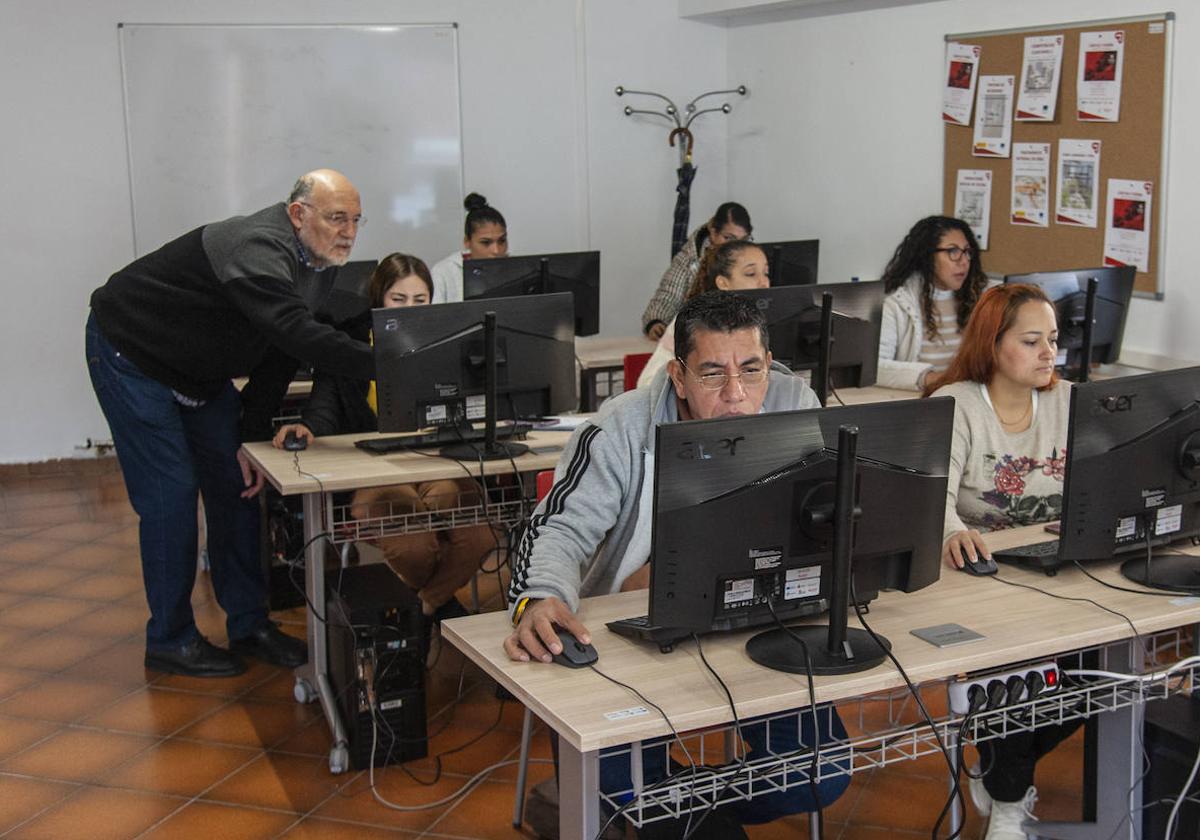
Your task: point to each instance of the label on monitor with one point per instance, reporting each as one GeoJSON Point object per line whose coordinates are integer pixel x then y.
{"type": "Point", "coordinates": [390, 704]}
{"type": "Point", "coordinates": [1126, 528]}
{"type": "Point", "coordinates": [1155, 497]}
{"type": "Point", "coordinates": [435, 415]}
{"type": "Point", "coordinates": [1168, 520]}
{"type": "Point", "coordinates": [476, 407]}
{"type": "Point", "coordinates": [802, 583]}
{"type": "Point", "coordinates": [739, 592]}
{"type": "Point", "coordinates": [766, 558]}
{"type": "Point", "coordinates": [446, 389]}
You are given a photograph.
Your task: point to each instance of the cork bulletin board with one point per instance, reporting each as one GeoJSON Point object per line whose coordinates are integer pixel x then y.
{"type": "Point", "coordinates": [1134, 148]}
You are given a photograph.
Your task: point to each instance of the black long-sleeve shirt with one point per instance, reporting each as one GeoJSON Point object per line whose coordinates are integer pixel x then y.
{"type": "Point", "coordinates": [205, 307]}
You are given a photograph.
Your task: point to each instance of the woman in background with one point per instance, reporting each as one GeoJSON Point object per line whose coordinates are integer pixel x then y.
{"type": "Point", "coordinates": [932, 282]}
{"type": "Point", "coordinates": [734, 266]}
{"type": "Point", "coordinates": [435, 564]}
{"type": "Point", "coordinates": [730, 222]}
{"type": "Point", "coordinates": [485, 235]}
{"type": "Point", "coordinates": [1007, 464]}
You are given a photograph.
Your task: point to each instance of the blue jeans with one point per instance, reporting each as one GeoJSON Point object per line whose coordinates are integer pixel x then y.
{"type": "Point", "coordinates": [782, 739]}
{"type": "Point", "coordinates": [169, 454]}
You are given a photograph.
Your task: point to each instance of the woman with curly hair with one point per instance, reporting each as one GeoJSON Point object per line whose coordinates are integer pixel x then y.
{"type": "Point", "coordinates": [1007, 464]}
{"type": "Point", "coordinates": [932, 281]}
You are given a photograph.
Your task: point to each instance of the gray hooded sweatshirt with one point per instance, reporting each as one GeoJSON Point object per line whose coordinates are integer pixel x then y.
{"type": "Point", "coordinates": [592, 530]}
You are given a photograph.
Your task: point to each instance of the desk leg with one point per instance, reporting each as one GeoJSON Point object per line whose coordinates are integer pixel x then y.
{"type": "Point", "coordinates": [1118, 770]}
{"type": "Point", "coordinates": [312, 680]}
{"type": "Point", "coordinates": [956, 814]}
{"type": "Point", "coordinates": [578, 792]}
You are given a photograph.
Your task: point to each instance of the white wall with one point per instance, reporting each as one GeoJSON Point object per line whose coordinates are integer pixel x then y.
{"type": "Point", "coordinates": [843, 137]}
{"type": "Point", "coordinates": [543, 138]}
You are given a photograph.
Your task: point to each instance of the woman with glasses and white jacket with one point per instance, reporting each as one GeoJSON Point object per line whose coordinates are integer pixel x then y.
{"type": "Point", "coordinates": [933, 282]}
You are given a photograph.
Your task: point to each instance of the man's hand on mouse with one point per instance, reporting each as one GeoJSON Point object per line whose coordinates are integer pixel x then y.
{"type": "Point", "coordinates": [968, 544]}
{"type": "Point", "coordinates": [534, 637]}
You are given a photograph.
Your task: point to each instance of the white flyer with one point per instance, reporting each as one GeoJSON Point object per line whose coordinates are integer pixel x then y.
{"type": "Point", "coordinates": [993, 117]}
{"type": "Point", "coordinates": [1030, 184]}
{"type": "Point", "coordinates": [1041, 67]}
{"type": "Point", "coordinates": [1127, 223]}
{"type": "Point", "coordinates": [1078, 196]}
{"type": "Point", "coordinates": [1101, 62]}
{"type": "Point", "coordinates": [958, 92]}
{"type": "Point", "coordinates": [973, 202]}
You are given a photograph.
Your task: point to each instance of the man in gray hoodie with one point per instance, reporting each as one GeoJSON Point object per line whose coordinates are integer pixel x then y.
{"type": "Point", "coordinates": [590, 535]}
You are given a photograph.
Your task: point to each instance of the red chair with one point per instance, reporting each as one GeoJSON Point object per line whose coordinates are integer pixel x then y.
{"type": "Point", "coordinates": [635, 363]}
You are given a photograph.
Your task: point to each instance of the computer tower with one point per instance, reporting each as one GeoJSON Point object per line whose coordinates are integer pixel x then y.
{"type": "Point", "coordinates": [1172, 731]}
{"type": "Point", "coordinates": [377, 663]}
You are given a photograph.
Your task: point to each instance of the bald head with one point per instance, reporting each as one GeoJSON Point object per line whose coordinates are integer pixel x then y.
{"type": "Point", "coordinates": [326, 212]}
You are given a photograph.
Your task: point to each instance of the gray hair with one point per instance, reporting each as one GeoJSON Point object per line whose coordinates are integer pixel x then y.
{"type": "Point", "coordinates": [302, 189]}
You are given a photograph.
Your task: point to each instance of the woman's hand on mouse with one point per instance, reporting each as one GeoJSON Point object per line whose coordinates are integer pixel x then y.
{"type": "Point", "coordinates": [535, 636]}
{"type": "Point", "coordinates": [960, 544]}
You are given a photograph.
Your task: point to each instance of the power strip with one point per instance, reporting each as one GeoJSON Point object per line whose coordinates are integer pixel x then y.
{"type": "Point", "coordinates": [995, 691]}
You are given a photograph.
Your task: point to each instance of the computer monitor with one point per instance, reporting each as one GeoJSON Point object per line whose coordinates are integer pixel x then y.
{"type": "Point", "coordinates": [1132, 477]}
{"type": "Point", "coordinates": [540, 274]}
{"type": "Point", "coordinates": [792, 263]}
{"type": "Point", "coordinates": [743, 513]}
{"type": "Point", "coordinates": [794, 320]}
{"type": "Point", "coordinates": [432, 363]}
{"type": "Point", "coordinates": [1069, 291]}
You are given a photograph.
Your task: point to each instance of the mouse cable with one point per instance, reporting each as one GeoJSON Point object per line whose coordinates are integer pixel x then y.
{"type": "Point", "coordinates": [668, 779]}
{"type": "Point", "coordinates": [916, 695]}
{"type": "Point", "coordinates": [812, 701]}
{"type": "Point", "coordinates": [1076, 598]}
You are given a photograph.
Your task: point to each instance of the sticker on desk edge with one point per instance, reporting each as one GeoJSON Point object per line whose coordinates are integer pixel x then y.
{"type": "Point", "coordinates": [1185, 601]}
{"type": "Point", "coordinates": [633, 711]}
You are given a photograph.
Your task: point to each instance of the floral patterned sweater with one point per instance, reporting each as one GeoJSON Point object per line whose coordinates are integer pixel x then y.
{"type": "Point", "coordinates": [1001, 480]}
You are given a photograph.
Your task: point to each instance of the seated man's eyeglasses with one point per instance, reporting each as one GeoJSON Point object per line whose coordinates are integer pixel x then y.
{"type": "Point", "coordinates": [717, 380]}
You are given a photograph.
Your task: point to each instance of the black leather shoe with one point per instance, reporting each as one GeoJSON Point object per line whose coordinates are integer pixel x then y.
{"type": "Point", "coordinates": [197, 658]}
{"type": "Point", "coordinates": [272, 645]}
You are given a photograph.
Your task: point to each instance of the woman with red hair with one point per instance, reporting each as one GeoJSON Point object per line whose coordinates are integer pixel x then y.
{"type": "Point", "coordinates": [1007, 460]}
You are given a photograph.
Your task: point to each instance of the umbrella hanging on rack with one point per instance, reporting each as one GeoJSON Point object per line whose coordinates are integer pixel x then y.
{"type": "Point", "coordinates": [686, 172]}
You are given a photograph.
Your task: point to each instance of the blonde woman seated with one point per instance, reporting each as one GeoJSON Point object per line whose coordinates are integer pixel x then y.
{"type": "Point", "coordinates": [732, 267]}
{"type": "Point", "coordinates": [435, 564]}
{"type": "Point", "coordinates": [1007, 462]}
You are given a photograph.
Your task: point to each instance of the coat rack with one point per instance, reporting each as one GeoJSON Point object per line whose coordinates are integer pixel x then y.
{"type": "Point", "coordinates": [682, 122]}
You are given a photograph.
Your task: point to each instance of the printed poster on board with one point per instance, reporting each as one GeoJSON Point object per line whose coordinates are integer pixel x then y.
{"type": "Point", "coordinates": [1078, 195]}
{"type": "Point", "coordinates": [1101, 61]}
{"type": "Point", "coordinates": [1127, 223]}
{"type": "Point", "coordinates": [973, 202]}
{"type": "Point", "coordinates": [958, 91]}
{"type": "Point", "coordinates": [1030, 184]}
{"type": "Point", "coordinates": [993, 117]}
{"type": "Point", "coordinates": [1041, 68]}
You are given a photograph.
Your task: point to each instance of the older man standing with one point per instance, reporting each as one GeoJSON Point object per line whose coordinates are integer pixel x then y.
{"type": "Point", "coordinates": [165, 336]}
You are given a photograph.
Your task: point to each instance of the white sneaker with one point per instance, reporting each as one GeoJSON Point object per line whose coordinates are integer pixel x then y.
{"type": "Point", "coordinates": [1007, 817]}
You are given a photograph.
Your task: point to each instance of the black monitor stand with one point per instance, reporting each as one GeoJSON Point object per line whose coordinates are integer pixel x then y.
{"type": "Point", "coordinates": [1089, 321]}
{"type": "Point", "coordinates": [836, 648]}
{"type": "Point", "coordinates": [489, 449]}
{"type": "Point", "coordinates": [775, 263]}
{"type": "Point", "coordinates": [820, 376]}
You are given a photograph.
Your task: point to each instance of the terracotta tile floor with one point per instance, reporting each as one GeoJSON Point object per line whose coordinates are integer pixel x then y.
{"type": "Point", "coordinates": [94, 746]}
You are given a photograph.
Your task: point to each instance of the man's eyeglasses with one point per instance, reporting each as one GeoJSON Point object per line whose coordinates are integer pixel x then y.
{"type": "Point", "coordinates": [716, 381]}
{"type": "Point", "coordinates": [338, 219]}
{"type": "Point", "coordinates": [955, 253]}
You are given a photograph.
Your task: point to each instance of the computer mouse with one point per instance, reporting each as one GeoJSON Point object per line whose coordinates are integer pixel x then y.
{"type": "Point", "coordinates": [293, 442]}
{"type": "Point", "coordinates": [982, 566]}
{"type": "Point", "coordinates": [575, 654]}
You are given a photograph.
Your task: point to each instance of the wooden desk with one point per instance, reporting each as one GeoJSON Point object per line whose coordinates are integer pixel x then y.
{"type": "Point", "coordinates": [871, 394]}
{"type": "Point", "coordinates": [604, 356]}
{"type": "Point", "coordinates": [333, 464]}
{"type": "Point", "coordinates": [1018, 625]}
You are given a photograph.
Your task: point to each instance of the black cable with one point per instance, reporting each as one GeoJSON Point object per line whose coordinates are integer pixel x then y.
{"type": "Point", "coordinates": [1162, 593]}
{"type": "Point", "coordinates": [812, 700]}
{"type": "Point", "coordinates": [916, 695]}
{"type": "Point", "coordinates": [1121, 615]}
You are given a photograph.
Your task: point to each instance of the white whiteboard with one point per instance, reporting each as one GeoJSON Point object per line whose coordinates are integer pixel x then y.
{"type": "Point", "coordinates": [221, 120]}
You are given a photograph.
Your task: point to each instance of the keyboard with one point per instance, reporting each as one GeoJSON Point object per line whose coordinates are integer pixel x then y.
{"type": "Point", "coordinates": [1041, 554]}
{"type": "Point", "coordinates": [435, 439]}
{"type": "Point", "coordinates": [639, 627]}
